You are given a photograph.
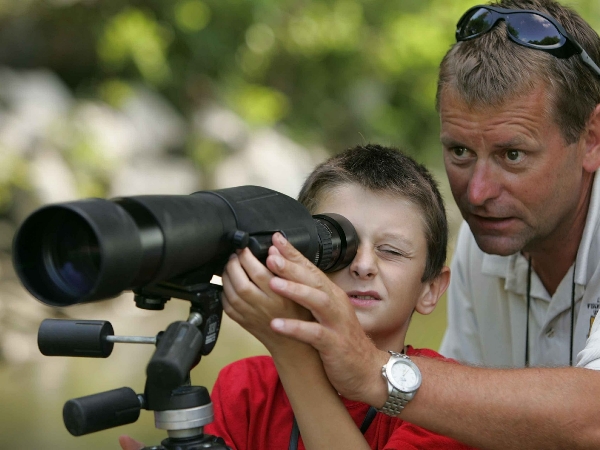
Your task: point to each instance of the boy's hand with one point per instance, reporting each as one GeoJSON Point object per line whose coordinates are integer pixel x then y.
{"type": "Point", "coordinates": [249, 300]}
{"type": "Point", "coordinates": [128, 443]}
{"type": "Point", "coordinates": [352, 362]}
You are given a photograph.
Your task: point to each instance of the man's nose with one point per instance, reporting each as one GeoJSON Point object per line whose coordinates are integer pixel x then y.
{"type": "Point", "coordinates": [484, 184]}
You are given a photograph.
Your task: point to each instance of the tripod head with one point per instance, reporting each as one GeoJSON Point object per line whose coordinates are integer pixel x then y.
{"type": "Point", "coordinates": [179, 408]}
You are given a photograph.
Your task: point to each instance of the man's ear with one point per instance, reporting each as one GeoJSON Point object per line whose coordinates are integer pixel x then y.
{"type": "Point", "coordinates": [591, 158]}
{"type": "Point", "coordinates": [432, 291]}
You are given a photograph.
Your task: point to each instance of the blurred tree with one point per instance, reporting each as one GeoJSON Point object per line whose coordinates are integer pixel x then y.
{"type": "Point", "coordinates": [326, 73]}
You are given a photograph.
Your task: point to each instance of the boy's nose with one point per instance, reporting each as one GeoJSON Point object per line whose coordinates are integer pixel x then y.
{"type": "Point", "coordinates": [364, 264]}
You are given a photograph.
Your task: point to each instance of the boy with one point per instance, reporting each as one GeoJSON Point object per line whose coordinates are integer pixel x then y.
{"type": "Point", "coordinates": [286, 401]}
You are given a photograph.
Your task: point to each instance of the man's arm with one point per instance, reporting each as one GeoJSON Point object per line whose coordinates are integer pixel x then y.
{"type": "Point", "coordinates": [486, 408]}
{"type": "Point", "coordinates": [513, 408]}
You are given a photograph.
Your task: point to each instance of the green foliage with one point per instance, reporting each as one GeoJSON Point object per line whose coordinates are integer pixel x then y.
{"type": "Point", "coordinates": [328, 73]}
{"type": "Point", "coordinates": [134, 35]}
{"type": "Point", "coordinates": [288, 63]}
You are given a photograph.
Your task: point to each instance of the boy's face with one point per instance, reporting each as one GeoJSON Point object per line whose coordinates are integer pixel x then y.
{"type": "Point", "coordinates": [383, 282]}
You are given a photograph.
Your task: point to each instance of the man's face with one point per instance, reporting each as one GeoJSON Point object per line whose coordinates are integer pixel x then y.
{"type": "Point", "coordinates": [515, 180]}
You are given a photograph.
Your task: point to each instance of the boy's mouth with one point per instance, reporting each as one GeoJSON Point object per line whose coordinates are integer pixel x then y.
{"type": "Point", "coordinates": [363, 298]}
{"type": "Point", "coordinates": [364, 295]}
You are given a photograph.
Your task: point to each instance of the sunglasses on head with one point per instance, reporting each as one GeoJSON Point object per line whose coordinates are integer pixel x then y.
{"type": "Point", "coordinates": [525, 27]}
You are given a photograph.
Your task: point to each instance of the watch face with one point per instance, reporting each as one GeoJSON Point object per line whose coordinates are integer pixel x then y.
{"type": "Point", "coordinates": [404, 375]}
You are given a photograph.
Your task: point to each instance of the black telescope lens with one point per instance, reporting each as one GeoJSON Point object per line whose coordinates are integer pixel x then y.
{"type": "Point", "coordinates": [71, 255]}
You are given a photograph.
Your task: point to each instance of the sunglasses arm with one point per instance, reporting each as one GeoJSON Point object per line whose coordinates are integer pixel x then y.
{"type": "Point", "coordinates": [586, 59]}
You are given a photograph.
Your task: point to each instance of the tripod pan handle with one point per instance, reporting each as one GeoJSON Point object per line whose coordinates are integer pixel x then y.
{"type": "Point", "coordinates": [176, 353]}
{"type": "Point", "coordinates": [83, 338]}
{"type": "Point", "coordinates": [101, 411]}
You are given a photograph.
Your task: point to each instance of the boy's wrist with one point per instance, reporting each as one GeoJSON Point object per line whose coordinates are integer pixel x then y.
{"type": "Point", "coordinates": [293, 353]}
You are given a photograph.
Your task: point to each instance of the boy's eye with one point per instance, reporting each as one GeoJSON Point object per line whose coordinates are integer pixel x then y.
{"type": "Point", "coordinates": [391, 251]}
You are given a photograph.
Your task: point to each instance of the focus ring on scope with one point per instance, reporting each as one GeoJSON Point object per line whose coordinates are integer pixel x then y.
{"type": "Point", "coordinates": [324, 257]}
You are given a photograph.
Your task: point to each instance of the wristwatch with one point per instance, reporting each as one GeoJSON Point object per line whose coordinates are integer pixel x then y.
{"type": "Point", "coordinates": [403, 378]}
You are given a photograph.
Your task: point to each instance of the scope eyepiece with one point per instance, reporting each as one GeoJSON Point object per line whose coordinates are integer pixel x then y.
{"type": "Point", "coordinates": [338, 242]}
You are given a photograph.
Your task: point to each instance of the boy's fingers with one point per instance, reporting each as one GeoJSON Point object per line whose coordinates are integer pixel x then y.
{"type": "Point", "coordinates": [239, 292]}
{"type": "Point", "coordinates": [128, 443]}
{"type": "Point", "coordinates": [288, 251]}
{"type": "Point", "coordinates": [230, 300]}
{"type": "Point", "coordinates": [254, 269]}
{"type": "Point", "coordinates": [273, 250]}
{"type": "Point", "coordinates": [246, 278]}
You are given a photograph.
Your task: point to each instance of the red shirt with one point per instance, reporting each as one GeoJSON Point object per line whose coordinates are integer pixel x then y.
{"type": "Point", "coordinates": [252, 411]}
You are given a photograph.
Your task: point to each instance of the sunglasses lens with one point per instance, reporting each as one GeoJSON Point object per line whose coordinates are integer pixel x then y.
{"type": "Point", "coordinates": [534, 30]}
{"type": "Point", "coordinates": [479, 21]}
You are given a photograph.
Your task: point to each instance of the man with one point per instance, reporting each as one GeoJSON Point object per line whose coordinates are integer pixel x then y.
{"type": "Point", "coordinates": [519, 150]}
{"type": "Point", "coordinates": [520, 125]}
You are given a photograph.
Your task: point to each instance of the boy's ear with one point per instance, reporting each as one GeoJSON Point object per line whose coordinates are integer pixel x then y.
{"type": "Point", "coordinates": [432, 291]}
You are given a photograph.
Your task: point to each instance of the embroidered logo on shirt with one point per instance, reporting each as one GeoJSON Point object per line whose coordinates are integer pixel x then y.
{"type": "Point", "coordinates": [594, 307]}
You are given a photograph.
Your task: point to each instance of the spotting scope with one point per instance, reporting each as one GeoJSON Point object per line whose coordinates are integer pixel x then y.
{"type": "Point", "coordinates": [93, 249]}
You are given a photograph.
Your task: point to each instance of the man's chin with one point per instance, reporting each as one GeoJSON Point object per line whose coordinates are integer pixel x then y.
{"type": "Point", "coordinates": [499, 245]}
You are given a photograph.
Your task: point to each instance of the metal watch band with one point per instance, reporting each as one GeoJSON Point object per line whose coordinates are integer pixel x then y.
{"type": "Point", "coordinates": [394, 404]}
{"type": "Point", "coordinates": [398, 355]}
{"type": "Point", "coordinates": [396, 400]}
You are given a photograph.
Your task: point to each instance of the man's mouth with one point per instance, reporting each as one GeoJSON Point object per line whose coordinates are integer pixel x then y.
{"type": "Point", "coordinates": [492, 224]}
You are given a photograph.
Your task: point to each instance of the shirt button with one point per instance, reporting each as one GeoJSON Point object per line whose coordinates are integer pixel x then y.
{"type": "Point", "coordinates": [550, 332]}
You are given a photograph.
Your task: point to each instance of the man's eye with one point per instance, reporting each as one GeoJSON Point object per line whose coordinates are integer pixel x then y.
{"type": "Point", "coordinates": [459, 152]}
{"type": "Point", "coordinates": [514, 155]}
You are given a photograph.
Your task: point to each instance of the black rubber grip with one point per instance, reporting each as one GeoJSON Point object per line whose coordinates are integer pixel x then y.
{"type": "Point", "coordinates": [101, 411]}
{"type": "Point", "coordinates": [81, 338]}
{"type": "Point", "coordinates": [176, 353]}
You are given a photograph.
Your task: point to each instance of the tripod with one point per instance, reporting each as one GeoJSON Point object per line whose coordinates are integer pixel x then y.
{"type": "Point", "coordinates": [179, 408]}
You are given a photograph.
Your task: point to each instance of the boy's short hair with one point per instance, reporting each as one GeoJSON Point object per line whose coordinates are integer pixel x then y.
{"type": "Point", "coordinates": [386, 170]}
